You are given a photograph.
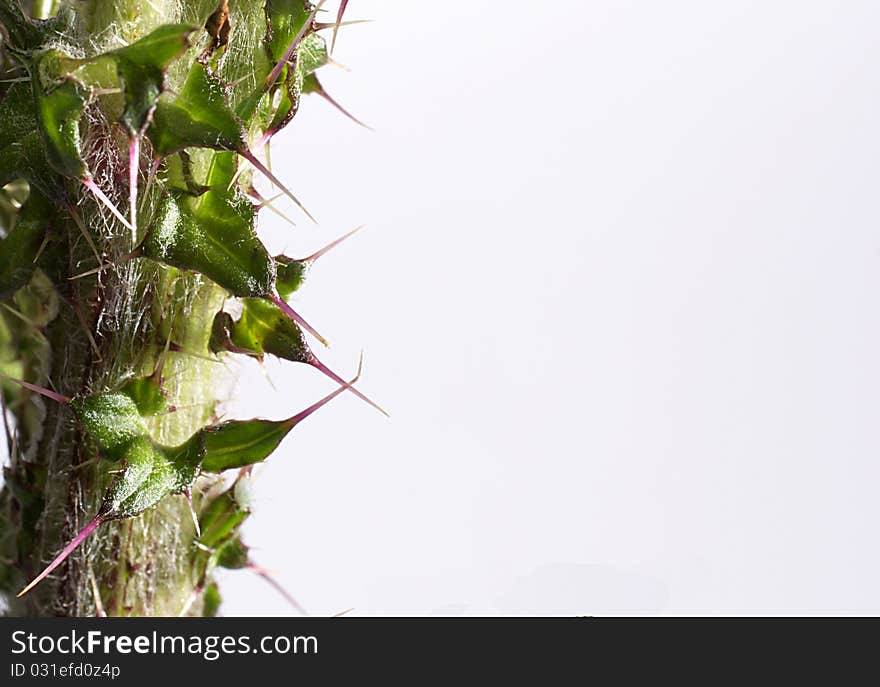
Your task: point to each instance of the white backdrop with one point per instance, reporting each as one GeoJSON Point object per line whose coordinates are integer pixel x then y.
{"type": "Point", "coordinates": [619, 289]}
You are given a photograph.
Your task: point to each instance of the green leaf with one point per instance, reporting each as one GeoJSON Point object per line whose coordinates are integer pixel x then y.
{"type": "Point", "coordinates": [139, 460]}
{"type": "Point", "coordinates": [233, 555]}
{"type": "Point", "coordinates": [112, 420]}
{"type": "Point", "coordinates": [311, 84]}
{"type": "Point", "coordinates": [59, 105]}
{"type": "Point", "coordinates": [220, 519]}
{"type": "Point", "coordinates": [18, 251]}
{"type": "Point", "coordinates": [264, 328]}
{"type": "Point", "coordinates": [142, 66]}
{"type": "Point", "coordinates": [151, 473]}
{"type": "Point", "coordinates": [213, 235]}
{"type": "Point", "coordinates": [199, 117]}
{"type": "Point", "coordinates": [238, 443]}
{"type": "Point", "coordinates": [290, 274]}
{"type": "Point", "coordinates": [147, 394]}
{"type": "Point", "coordinates": [211, 600]}
{"type": "Point", "coordinates": [221, 333]}
{"type": "Point", "coordinates": [312, 54]}
{"type": "Point", "coordinates": [284, 19]}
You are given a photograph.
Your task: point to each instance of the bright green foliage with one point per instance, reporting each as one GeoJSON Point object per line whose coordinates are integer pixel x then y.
{"type": "Point", "coordinates": [221, 245]}
{"type": "Point", "coordinates": [211, 600]}
{"type": "Point", "coordinates": [152, 472]}
{"type": "Point", "coordinates": [290, 274]}
{"type": "Point", "coordinates": [238, 443]}
{"type": "Point", "coordinates": [263, 328]}
{"type": "Point", "coordinates": [220, 523]}
{"type": "Point", "coordinates": [115, 421]}
{"type": "Point", "coordinates": [199, 117]}
{"type": "Point", "coordinates": [142, 66]}
{"type": "Point", "coordinates": [221, 519]}
{"type": "Point", "coordinates": [285, 21]}
{"type": "Point", "coordinates": [59, 102]}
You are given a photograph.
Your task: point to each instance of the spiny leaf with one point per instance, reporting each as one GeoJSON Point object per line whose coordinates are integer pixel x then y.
{"type": "Point", "coordinates": [211, 600]}
{"type": "Point", "coordinates": [152, 472]}
{"type": "Point", "coordinates": [59, 105]}
{"type": "Point", "coordinates": [141, 67]}
{"type": "Point", "coordinates": [238, 443]}
{"type": "Point", "coordinates": [199, 117]}
{"type": "Point", "coordinates": [140, 461]}
{"type": "Point", "coordinates": [311, 84]}
{"type": "Point", "coordinates": [263, 328]}
{"type": "Point", "coordinates": [288, 24]}
{"type": "Point", "coordinates": [287, 27]}
{"type": "Point", "coordinates": [292, 272]}
{"type": "Point", "coordinates": [312, 53]}
{"type": "Point", "coordinates": [284, 20]}
{"type": "Point", "coordinates": [219, 242]}
{"type": "Point", "coordinates": [233, 555]}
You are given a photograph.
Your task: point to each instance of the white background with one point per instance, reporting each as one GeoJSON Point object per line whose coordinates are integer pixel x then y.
{"type": "Point", "coordinates": [619, 290]}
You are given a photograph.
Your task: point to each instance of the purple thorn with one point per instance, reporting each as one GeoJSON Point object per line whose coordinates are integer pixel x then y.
{"type": "Point", "coordinates": [250, 157]}
{"type": "Point", "coordinates": [330, 246]}
{"type": "Point", "coordinates": [276, 71]}
{"type": "Point", "coordinates": [326, 96]}
{"type": "Point", "coordinates": [59, 559]}
{"type": "Point", "coordinates": [303, 414]}
{"type": "Point", "coordinates": [48, 393]}
{"type": "Point", "coordinates": [342, 5]}
{"type": "Point", "coordinates": [317, 364]}
{"type": "Point", "coordinates": [90, 184]}
{"type": "Point", "coordinates": [296, 317]}
{"type": "Point", "coordinates": [262, 572]}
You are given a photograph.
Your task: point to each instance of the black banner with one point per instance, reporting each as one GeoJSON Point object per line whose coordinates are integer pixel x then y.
{"type": "Point", "coordinates": [413, 650]}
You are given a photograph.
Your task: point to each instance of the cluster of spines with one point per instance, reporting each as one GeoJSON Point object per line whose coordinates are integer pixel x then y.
{"type": "Point", "coordinates": [204, 225]}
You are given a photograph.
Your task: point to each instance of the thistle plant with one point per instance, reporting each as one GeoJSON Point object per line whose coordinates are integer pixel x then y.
{"type": "Point", "coordinates": [131, 135]}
